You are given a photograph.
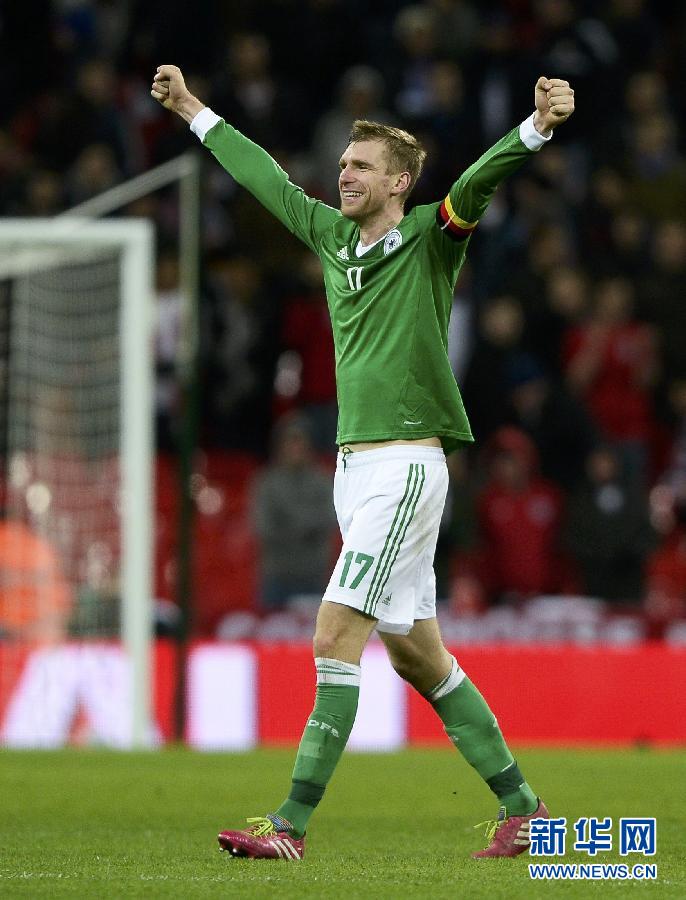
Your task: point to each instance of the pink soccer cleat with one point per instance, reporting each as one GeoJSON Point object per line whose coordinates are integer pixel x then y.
{"type": "Point", "coordinates": [509, 836]}
{"type": "Point", "coordinates": [269, 837]}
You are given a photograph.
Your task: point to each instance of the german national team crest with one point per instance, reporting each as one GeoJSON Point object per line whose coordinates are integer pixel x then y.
{"type": "Point", "coordinates": [392, 241]}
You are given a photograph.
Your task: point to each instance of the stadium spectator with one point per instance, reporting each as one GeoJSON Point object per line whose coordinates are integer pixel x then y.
{"type": "Point", "coordinates": [636, 32]}
{"type": "Point", "coordinates": [584, 48]}
{"type": "Point", "coordinates": [94, 172]}
{"type": "Point", "coordinates": [260, 104]}
{"type": "Point", "coordinates": [608, 530]}
{"type": "Point", "coordinates": [499, 339]}
{"type": "Point", "coordinates": [239, 370]}
{"type": "Point", "coordinates": [564, 304]}
{"type": "Point", "coordinates": [457, 28]}
{"type": "Point", "coordinates": [64, 123]}
{"type": "Point", "coordinates": [445, 124]}
{"type": "Point", "coordinates": [498, 70]}
{"type": "Point", "coordinates": [550, 247]}
{"type": "Point", "coordinates": [657, 170]}
{"type": "Point", "coordinates": [555, 421]}
{"type": "Point", "coordinates": [646, 93]}
{"type": "Point", "coordinates": [35, 599]}
{"type": "Point", "coordinates": [293, 519]}
{"type": "Point", "coordinates": [606, 198]}
{"type": "Point", "coordinates": [611, 364]}
{"type": "Point", "coordinates": [324, 28]}
{"type": "Point", "coordinates": [415, 31]}
{"type": "Point", "coordinates": [519, 515]}
{"type": "Point", "coordinates": [630, 236]}
{"type": "Point", "coordinates": [662, 295]}
{"type": "Point", "coordinates": [44, 195]}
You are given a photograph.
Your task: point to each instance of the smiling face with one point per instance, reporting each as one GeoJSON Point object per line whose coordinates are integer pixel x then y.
{"type": "Point", "coordinates": [366, 187]}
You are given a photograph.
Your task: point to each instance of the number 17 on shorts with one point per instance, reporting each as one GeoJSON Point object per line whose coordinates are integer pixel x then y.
{"type": "Point", "coordinates": [363, 560]}
{"type": "Point", "coordinates": [389, 515]}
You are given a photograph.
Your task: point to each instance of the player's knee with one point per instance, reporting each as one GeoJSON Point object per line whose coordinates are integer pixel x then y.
{"type": "Point", "coordinates": [408, 665]}
{"type": "Point", "coordinates": [341, 633]}
{"type": "Point", "coordinates": [326, 642]}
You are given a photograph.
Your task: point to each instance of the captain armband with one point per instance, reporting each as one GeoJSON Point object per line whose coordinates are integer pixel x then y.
{"type": "Point", "coordinates": [451, 224]}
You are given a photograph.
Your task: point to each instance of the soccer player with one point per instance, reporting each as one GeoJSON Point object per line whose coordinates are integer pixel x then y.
{"type": "Point", "coordinates": [389, 280]}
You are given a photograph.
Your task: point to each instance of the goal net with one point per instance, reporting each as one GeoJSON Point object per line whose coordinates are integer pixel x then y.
{"type": "Point", "coordinates": [75, 481]}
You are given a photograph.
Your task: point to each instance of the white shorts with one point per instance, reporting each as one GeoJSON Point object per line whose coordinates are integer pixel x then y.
{"type": "Point", "coordinates": [389, 504]}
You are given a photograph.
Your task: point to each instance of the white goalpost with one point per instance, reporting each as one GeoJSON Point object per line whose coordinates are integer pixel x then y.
{"type": "Point", "coordinates": [76, 378]}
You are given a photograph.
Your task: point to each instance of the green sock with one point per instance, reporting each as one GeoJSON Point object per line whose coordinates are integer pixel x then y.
{"type": "Point", "coordinates": [324, 738]}
{"type": "Point", "coordinates": [472, 727]}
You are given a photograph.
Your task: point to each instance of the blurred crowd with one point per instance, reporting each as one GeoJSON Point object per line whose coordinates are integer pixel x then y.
{"type": "Point", "coordinates": [568, 334]}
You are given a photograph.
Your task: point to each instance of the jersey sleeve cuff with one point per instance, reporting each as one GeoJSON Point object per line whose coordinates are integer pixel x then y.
{"type": "Point", "coordinates": [203, 122]}
{"type": "Point", "coordinates": [528, 135]}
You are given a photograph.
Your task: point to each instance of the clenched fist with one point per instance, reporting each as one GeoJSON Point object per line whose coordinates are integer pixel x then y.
{"type": "Point", "coordinates": [169, 89]}
{"type": "Point", "coordinates": [554, 103]}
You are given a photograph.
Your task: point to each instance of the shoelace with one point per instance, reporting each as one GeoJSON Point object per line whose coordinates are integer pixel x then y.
{"type": "Point", "coordinates": [492, 825]}
{"type": "Point", "coordinates": [260, 826]}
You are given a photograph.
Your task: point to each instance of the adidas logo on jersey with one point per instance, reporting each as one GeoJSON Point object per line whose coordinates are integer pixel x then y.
{"type": "Point", "coordinates": [343, 253]}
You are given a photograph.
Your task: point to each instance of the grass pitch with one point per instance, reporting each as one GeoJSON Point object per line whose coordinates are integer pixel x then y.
{"type": "Point", "coordinates": [95, 823]}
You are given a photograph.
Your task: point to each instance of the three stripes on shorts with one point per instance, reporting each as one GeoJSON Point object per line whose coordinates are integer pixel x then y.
{"type": "Point", "coordinates": [396, 535]}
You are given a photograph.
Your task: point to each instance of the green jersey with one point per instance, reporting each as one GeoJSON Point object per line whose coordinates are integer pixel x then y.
{"type": "Point", "coordinates": [390, 306]}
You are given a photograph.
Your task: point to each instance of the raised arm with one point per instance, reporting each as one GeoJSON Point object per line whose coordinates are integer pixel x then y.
{"type": "Point", "coordinates": [249, 164]}
{"type": "Point", "coordinates": [461, 210]}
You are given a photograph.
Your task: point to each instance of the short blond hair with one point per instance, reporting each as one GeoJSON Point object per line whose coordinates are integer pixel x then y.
{"type": "Point", "coordinates": [405, 153]}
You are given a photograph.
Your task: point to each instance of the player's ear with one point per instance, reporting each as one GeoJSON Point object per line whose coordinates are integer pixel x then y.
{"type": "Point", "coordinates": [402, 183]}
